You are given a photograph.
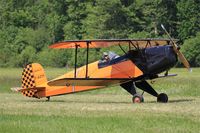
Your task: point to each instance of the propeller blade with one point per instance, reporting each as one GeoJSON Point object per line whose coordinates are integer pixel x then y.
{"type": "Point", "coordinates": [184, 60]}
{"type": "Point", "coordinates": [176, 49]}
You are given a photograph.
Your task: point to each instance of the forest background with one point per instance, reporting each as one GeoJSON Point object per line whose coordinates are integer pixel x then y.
{"type": "Point", "coordinates": [28, 27]}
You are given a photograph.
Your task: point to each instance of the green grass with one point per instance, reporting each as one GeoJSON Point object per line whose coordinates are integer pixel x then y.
{"type": "Point", "coordinates": [105, 110]}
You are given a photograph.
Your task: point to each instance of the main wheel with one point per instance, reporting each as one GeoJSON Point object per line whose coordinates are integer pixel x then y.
{"type": "Point", "coordinates": [137, 98]}
{"type": "Point", "coordinates": [162, 98]}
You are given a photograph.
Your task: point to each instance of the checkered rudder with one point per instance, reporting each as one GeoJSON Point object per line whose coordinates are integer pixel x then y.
{"type": "Point", "coordinates": [29, 93]}
{"type": "Point", "coordinates": [28, 80]}
{"type": "Point", "coordinates": [33, 76]}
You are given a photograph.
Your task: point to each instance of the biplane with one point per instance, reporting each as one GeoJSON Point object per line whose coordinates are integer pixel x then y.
{"type": "Point", "coordinates": [144, 60]}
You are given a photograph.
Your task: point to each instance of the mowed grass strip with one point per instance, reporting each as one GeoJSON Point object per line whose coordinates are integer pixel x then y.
{"type": "Point", "coordinates": [105, 110]}
{"type": "Point", "coordinates": [98, 113]}
{"type": "Point", "coordinates": [135, 122]}
{"type": "Point", "coordinates": [101, 115]}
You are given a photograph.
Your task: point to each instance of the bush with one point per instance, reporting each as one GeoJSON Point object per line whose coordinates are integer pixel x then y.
{"type": "Point", "coordinates": [54, 58]}
{"type": "Point", "coordinates": [27, 56]}
{"type": "Point", "coordinates": [191, 50]}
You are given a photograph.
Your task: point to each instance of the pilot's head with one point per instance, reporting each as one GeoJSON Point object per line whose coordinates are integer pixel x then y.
{"type": "Point", "coordinates": [105, 56]}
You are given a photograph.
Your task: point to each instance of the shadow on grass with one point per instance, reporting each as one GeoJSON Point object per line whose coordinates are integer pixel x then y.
{"type": "Point", "coordinates": [181, 100]}
{"type": "Point", "coordinates": [173, 101]}
{"type": "Point", "coordinates": [100, 102]}
{"type": "Point", "coordinates": [44, 101]}
{"type": "Point", "coordinates": [75, 101]}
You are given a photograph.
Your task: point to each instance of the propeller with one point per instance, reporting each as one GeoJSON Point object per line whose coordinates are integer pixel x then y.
{"type": "Point", "coordinates": [176, 49]}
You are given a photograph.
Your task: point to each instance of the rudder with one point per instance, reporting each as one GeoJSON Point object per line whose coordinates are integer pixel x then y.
{"type": "Point", "coordinates": [32, 76]}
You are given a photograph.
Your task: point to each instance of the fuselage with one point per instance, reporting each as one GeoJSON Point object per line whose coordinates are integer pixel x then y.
{"type": "Point", "coordinates": [154, 60]}
{"type": "Point", "coordinates": [136, 63]}
{"type": "Point", "coordinates": [148, 61]}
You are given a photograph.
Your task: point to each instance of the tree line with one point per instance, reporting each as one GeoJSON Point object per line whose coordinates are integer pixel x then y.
{"type": "Point", "coordinates": [28, 27]}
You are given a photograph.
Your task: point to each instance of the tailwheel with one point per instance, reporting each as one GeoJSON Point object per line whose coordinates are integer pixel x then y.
{"type": "Point", "coordinates": [48, 98]}
{"type": "Point", "coordinates": [162, 98]}
{"type": "Point", "coordinates": [137, 98]}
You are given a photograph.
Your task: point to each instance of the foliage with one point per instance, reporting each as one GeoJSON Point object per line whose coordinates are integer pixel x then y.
{"type": "Point", "coordinates": [191, 49]}
{"type": "Point", "coordinates": [34, 25]}
{"type": "Point", "coordinates": [189, 14]}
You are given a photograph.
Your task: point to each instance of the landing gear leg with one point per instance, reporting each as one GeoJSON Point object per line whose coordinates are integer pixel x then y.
{"type": "Point", "coordinates": [130, 87]}
{"type": "Point", "coordinates": [143, 85]}
{"type": "Point", "coordinates": [48, 98]}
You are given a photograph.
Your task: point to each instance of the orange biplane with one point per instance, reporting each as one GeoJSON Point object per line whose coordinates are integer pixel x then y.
{"type": "Point", "coordinates": [145, 60]}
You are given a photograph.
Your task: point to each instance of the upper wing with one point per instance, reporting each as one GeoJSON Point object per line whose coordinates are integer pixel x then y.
{"type": "Point", "coordinates": [141, 43]}
{"type": "Point", "coordinates": [88, 81]}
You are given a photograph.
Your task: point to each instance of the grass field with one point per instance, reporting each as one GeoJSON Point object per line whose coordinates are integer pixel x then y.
{"type": "Point", "coordinates": [106, 110]}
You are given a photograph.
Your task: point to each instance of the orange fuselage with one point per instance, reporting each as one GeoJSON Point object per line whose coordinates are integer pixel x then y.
{"type": "Point", "coordinates": [123, 69]}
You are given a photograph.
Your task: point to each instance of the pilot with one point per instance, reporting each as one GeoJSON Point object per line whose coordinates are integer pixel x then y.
{"type": "Point", "coordinates": [105, 58]}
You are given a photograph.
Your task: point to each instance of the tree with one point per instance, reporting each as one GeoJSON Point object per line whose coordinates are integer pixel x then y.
{"type": "Point", "coordinates": [7, 47]}
{"type": "Point", "coordinates": [27, 56]}
{"type": "Point", "coordinates": [111, 19]}
{"type": "Point", "coordinates": [188, 17]}
{"type": "Point", "coordinates": [76, 11]}
{"type": "Point", "coordinates": [35, 24]}
{"type": "Point", "coordinates": [157, 12]}
{"type": "Point", "coordinates": [191, 50]}
{"type": "Point", "coordinates": [55, 58]}
{"type": "Point", "coordinates": [29, 37]}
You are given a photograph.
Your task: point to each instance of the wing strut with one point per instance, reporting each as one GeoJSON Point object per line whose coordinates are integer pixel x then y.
{"type": "Point", "coordinates": [86, 73]}
{"type": "Point", "coordinates": [87, 58]}
{"type": "Point", "coordinates": [122, 49]}
{"type": "Point", "coordinates": [75, 64]}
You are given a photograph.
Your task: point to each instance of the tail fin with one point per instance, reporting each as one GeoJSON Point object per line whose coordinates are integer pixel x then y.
{"type": "Point", "coordinates": [32, 76]}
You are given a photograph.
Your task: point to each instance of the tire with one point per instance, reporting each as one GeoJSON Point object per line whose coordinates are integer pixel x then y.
{"type": "Point", "coordinates": [137, 98]}
{"type": "Point", "coordinates": [162, 98]}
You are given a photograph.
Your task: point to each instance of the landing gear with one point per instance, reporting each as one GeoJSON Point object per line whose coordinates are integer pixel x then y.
{"type": "Point", "coordinates": [137, 98]}
{"type": "Point", "coordinates": [48, 99]}
{"type": "Point", "coordinates": [162, 98]}
{"type": "Point", "coordinates": [146, 87]}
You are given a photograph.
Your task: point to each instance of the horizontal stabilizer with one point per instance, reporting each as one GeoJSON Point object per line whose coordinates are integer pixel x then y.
{"type": "Point", "coordinates": [16, 89]}
{"type": "Point", "coordinates": [20, 89]}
